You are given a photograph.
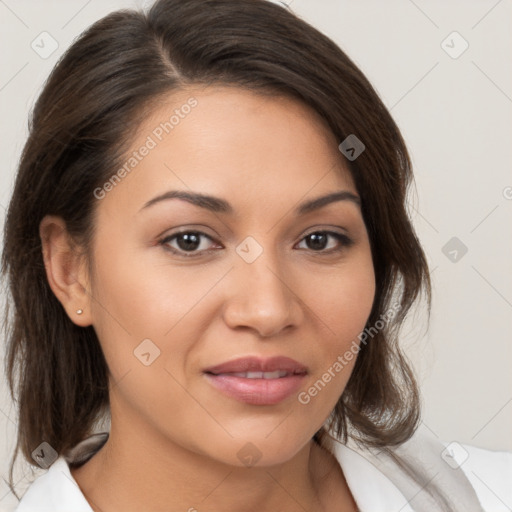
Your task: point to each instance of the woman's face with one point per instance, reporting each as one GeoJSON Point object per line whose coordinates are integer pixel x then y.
{"type": "Point", "coordinates": [255, 275]}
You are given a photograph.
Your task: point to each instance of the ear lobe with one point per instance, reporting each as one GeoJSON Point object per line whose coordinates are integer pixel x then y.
{"type": "Point", "coordinates": [64, 271]}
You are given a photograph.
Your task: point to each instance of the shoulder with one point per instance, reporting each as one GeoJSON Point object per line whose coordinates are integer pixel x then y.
{"type": "Point", "coordinates": [489, 472]}
{"type": "Point", "coordinates": [427, 474]}
{"type": "Point", "coordinates": [57, 490]}
{"type": "Point", "coordinates": [54, 491]}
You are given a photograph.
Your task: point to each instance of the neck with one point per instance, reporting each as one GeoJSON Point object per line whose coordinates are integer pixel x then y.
{"type": "Point", "coordinates": [136, 471]}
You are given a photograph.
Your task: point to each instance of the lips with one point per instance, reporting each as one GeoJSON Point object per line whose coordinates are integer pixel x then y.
{"type": "Point", "coordinates": [256, 364]}
{"type": "Point", "coordinates": [257, 381]}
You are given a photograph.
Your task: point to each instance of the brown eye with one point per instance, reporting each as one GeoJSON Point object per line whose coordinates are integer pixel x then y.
{"type": "Point", "coordinates": [186, 242]}
{"type": "Point", "coordinates": [319, 241]}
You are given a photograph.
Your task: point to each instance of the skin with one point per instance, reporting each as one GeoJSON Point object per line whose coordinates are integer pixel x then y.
{"type": "Point", "coordinates": [174, 438]}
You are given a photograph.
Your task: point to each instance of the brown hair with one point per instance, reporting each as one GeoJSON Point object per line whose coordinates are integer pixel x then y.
{"type": "Point", "coordinates": [82, 122]}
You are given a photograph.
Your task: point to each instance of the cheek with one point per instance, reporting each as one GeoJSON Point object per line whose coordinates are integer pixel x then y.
{"type": "Point", "coordinates": [342, 310]}
{"type": "Point", "coordinates": [346, 301]}
{"type": "Point", "coordinates": [137, 299]}
{"type": "Point", "coordinates": [345, 307]}
{"type": "Point", "coordinates": [142, 318]}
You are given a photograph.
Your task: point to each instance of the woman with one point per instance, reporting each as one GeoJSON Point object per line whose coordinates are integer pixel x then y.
{"type": "Point", "coordinates": [210, 213]}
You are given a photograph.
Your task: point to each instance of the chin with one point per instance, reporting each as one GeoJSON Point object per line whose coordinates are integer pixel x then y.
{"type": "Point", "coordinates": [260, 449]}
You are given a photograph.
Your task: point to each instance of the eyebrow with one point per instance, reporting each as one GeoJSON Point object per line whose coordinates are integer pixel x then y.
{"type": "Point", "coordinates": [218, 205]}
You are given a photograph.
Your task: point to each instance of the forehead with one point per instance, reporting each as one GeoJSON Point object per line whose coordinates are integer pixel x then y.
{"type": "Point", "coordinates": [254, 149]}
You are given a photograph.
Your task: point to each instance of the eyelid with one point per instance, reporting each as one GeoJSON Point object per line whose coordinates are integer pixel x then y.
{"type": "Point", "coordinates": [322, 228]}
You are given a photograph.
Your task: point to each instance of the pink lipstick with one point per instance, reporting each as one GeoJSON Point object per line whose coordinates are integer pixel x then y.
{"type": "Point", "coordinates": [258, 381]}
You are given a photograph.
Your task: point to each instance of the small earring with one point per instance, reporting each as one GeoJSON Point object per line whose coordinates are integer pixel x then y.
{"type": "Point", "coordinates": [79, 311]}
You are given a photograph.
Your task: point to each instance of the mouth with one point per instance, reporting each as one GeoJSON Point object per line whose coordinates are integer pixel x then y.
{"type": "Point", "coordinates": [258, 375]}
{"type": "Point", "coordinates": [257, 381]}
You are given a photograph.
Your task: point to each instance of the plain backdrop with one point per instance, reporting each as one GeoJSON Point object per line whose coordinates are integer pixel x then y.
{"type": "Point", "coordinates": [443, 69]}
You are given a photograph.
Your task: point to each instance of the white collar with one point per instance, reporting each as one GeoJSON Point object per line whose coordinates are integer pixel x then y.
{"type": "Point", "coordinates": [371, 489]}
{"type": "Point", "coordinates": [57, 491]}
{"type": "Point", "coordinates": [54, 491]}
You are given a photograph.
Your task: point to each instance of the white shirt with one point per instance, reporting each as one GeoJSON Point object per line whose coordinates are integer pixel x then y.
{"type": "Point", "coordinates": [374, 488]}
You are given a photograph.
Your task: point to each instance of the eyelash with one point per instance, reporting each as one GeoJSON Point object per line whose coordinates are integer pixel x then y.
{"type": "Point", "coordinates": [344, 240]}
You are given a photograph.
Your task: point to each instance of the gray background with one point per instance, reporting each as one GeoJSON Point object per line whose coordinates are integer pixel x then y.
{"type": "Point", "coordinates": [455, 114]}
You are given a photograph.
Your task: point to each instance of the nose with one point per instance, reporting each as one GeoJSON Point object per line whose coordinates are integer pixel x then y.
{"type": "Point", "coordinates": [262, 298]}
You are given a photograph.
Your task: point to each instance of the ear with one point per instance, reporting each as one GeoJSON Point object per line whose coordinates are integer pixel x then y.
{"type": "Point", "coordinates": [65, 270]}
